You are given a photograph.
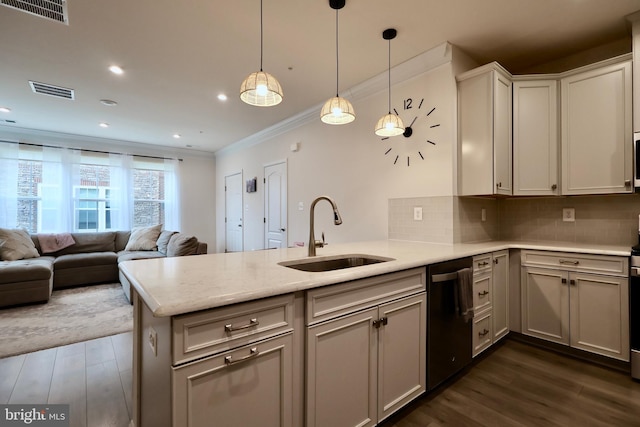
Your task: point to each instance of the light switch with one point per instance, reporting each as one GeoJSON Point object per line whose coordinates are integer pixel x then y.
{"type": "Point", "coordinates": [417, 213]}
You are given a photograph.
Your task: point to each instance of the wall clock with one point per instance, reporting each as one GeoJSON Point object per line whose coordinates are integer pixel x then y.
{"type": "Point", "coordinates": [419, 121]}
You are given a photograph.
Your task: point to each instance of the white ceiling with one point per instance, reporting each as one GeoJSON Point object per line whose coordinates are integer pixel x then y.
{"type": "Point", "coordinates": [178, 55]}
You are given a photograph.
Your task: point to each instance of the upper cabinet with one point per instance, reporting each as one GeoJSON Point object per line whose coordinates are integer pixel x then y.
{"type": "Point", "coordinates": [484, 131]}
{"type": "Point", "coordinates": [572, 132]}
{"type": "Point", "coordinates": [535, 138]}
{"type": "Point", "coordinates": [597, 145]}
{"type": "Point", "coordinates": [635, 32]}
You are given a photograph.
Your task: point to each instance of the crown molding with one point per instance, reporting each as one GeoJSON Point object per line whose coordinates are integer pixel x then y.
{"type": "Point", "coordinates": [413, 67]}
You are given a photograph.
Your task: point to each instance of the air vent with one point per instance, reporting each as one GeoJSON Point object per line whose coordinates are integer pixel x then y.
{"type": "Point", "coordinates": [51, 90]}
{"type": "Point", "coordinates": [7, 121]}
{"type": "Point", "coordinates": [55, 10]}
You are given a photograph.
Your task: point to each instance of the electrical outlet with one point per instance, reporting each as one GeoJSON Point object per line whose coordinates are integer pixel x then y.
{"type": "Point", "coordinates": [152, 337]}
{"type": "Point", "coordinates": [568, 214]}
{"type": "Point", "coordinates": [417, 213]}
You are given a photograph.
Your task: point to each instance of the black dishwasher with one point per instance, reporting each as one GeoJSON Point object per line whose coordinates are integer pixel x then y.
{"type": "Point", "coordinates": [448, 333]}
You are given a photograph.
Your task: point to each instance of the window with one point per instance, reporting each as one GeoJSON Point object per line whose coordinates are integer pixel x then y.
{"type": "Point", "coordinates": [48, 190]}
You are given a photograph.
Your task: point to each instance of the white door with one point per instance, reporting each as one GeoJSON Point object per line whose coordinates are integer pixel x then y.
{"type": "Point", "coordinates": [275, 206]}
{"type": "Point", "coordinates": [233, 212]}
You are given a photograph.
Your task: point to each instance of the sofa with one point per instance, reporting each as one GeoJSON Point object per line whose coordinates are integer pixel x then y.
{"type": "Point", "coordinates": [91, 258]}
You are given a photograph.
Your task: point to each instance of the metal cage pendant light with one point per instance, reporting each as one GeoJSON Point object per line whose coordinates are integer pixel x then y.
{"type": "Point", "coordinates": [337, 110]}
{"type": "Point", "coordinates": [261, 88]}
{"type": "Point", "coordinates": [389, 124]}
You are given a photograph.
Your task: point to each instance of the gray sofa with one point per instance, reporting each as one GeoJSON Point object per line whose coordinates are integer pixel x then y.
{"type": "Point", "coordinates": [93, 259]}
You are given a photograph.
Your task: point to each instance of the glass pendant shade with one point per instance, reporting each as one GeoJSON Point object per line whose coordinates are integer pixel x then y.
{"type": "Point", "coordinates": [389, 125]}
{"type": "Point", "coordinates": [261, 89]}
{"type": "Point", "coordinates": [337, 111]}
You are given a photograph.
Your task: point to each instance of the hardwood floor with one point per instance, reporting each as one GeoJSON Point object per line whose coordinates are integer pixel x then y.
{"type": "Point", "coordinates": [93, 377]}
{"type": "Point", "coordinates": [516, 384]}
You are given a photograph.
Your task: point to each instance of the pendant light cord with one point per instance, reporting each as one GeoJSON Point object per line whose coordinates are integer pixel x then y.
{"type": "Point", "coordinates": [389, 76]}
{"type": "Point", "coordinates": [261, 37]}
{"type": "Point", "coordinates": [337, 56]}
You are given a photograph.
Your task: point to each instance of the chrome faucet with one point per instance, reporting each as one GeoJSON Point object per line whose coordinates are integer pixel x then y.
{"type": "Point", "coordinates": [337, 220]}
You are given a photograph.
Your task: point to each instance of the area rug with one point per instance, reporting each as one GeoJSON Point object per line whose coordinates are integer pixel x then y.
{"type": "Point", "coordinates": [71, 315]}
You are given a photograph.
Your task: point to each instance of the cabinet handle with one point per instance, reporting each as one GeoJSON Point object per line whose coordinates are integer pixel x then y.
{"type": "Point", "coordinates": [228, 360]}
{"type": "Point", "coordinates": [231, 328]}
{"type": "Point", "coordinates": [572, 282]}
{"type": "Point", "coordinates": [483, 263]}
{"type": "Point", "coordinates": [564, 281]}
{"type": "Point", "coordinates": [498, 185]}
{"type": "Point", "coordinates": [483, 293]}
{"type": "Point", "coordinates": [495, 261]}
{"type": "Point", "coordinates": [380, 322]}
{"type": "Point", "coordinates": [627, 183]}
{"type": "Point", "coordinates": [483, 333]}
{"type": "Point", "coordinates": [570, 262]}
{"type": "Point", "coordinates": [554, 187]}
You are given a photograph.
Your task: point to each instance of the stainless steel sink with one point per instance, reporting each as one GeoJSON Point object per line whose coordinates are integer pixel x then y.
{"type": "Point", "coordinates": [336, 262]}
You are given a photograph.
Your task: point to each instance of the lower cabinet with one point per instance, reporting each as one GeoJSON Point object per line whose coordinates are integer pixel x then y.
{"type": "Point", "coordinates": [362, 366]}
{"type": "Point", "coordinates": [249, 386]}
{"type": "Point", "coordinates": [490, 299]}
{"type": "Point", "coordinates": [577, 300]}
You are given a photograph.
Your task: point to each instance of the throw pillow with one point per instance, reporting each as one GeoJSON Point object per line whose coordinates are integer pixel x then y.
{"type": "Point", "coordinates": [181, 244]}
{"type": "Point", "coordinates": [163, 241]}
{"type": "Point", "coordinates": [16, 244]}
{"type": "Point", "coordinates": [144, 238]}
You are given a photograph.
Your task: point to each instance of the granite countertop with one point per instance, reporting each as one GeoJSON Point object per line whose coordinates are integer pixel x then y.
{"type": "Point", "coordinates": [173, 286]}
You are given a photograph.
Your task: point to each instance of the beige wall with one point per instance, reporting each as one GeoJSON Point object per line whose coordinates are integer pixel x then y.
{"type": "Point", "coordinates": [348, 163]}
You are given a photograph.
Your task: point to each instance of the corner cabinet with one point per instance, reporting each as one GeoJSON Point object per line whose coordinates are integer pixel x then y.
{"type": "Point", "coordinates": [577, 300]}
{"type": "Point", "coordinates": [535, 138]}
{"type": "Point", "coordinates": [490, 299]}
{"type": "Point", "coordinates": [597, 130]}
{"type": "Point", "coordinates": [366, 349]}
{"type": "Point", "coordinates": [484, 131]}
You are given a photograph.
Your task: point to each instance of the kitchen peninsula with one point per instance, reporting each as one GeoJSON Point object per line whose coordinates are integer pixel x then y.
{"type": "Point", "coordinates": [201, 320]}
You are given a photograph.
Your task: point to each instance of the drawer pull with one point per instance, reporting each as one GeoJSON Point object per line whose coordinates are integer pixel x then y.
{"type": "Point", "coordinates": [483, 293]}
{"type": "Point", "coordinates": [483, 333]}
{"type": "Point", "coordinates": [231, 328]}
{"type": "Point", "coordinates": [569, 262]}
{"type": "Point", "coordinates": [483, 264]}
{"type": "Point", "coordinates": [228, 360]}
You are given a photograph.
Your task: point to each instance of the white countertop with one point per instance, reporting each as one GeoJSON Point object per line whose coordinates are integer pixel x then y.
{"type": "Point", "coordinates": [172, 286]}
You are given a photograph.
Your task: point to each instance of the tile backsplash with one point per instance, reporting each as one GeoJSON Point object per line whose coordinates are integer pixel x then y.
{"type": "Point", "coordinates": [607, 220]}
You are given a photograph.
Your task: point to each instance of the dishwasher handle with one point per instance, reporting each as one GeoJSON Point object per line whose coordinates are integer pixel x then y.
{"type": "Point", "coordinates": [437, 278]}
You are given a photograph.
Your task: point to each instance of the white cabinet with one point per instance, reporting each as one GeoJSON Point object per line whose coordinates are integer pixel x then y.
{"type": "Point", "coordinates": [490, 299]}
{"type": "Point", "coordinates": [366, 349]}
{"type": "Point", "coordinates": [597, 130]}
{"type": "Point", "coordinates": [535, 138]}
{"type": "Point", "coordinates": [484, 131]}
{"type": "Point", "coordinates": [635, 31]}
{"type": "Point", "coordinates": [578, 300]}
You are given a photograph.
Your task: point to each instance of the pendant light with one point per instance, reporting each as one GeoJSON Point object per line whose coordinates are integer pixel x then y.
{"type": "Point", "coordinates": [389, 124]}
{"type": "Point", "coordinates": [337, 110]}
{"type": "Point", "coordinates": [261, 88]}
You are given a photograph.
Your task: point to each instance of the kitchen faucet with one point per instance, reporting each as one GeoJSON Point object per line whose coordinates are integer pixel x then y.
{"type": "Point", "coordinates": [337, 220]}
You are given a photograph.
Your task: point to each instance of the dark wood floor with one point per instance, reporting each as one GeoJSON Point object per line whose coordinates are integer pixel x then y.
{"type": "Point", "coordinates": [514, 385]}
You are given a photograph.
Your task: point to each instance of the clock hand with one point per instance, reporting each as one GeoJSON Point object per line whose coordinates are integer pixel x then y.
{"type": "Point", "coordinates": [413, 121]}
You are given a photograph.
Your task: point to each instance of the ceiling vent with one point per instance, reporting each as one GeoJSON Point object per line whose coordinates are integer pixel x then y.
{"type": "Point", "coordinates": [51, 90]}
{"type": "Point", "coordinates": [54, 10]}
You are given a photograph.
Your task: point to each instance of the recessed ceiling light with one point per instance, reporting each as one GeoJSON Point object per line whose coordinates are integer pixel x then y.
{"type": "Point", "coordinates": [222, 97]}
{"type": "Point", "coordinates": [177, 136]}
{"type": "Point", "coordinates": [5, 110]}
{"type": "Point", "coordinates": [116, 69]}
{"type": "Point", "coordinates": [104, 125]}
{"type": "Point", "coordinates": [108, 102]}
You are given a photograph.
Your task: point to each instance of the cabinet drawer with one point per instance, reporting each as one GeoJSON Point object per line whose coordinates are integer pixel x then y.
{"type": "Point", "coordinates": [335, 300]}
{"type": "Point", "coordinates": [208, 332]}
{"type": "Point", "coordinates": [481, 333]}
{"type": "Point", "coordinates": [602, 264]}
{"type": "Point", "coordinates": [481, 292]}
{"type": "Point", "coordinates": [481, 263]}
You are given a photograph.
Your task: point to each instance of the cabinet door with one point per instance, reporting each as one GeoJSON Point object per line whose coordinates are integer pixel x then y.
{"type": "Point", "coordinates": [535, 138]}
{"type": "Point", "coordinates": [342, 371]}
{"type": "Point", "coordinates": [502, 158]}
{"type": "Point", "coordinates": [249, 386]}
{"type": "Point", "coordinates": [402, 353]}
{"type": "Point", "coordinates": [545, 304]}
{"type": "Point", "coordinates": [597, 131]}
{"type": "Point", "coordinates": [500, 298]}
{"type": "Point", "coordinates": [600, 314]}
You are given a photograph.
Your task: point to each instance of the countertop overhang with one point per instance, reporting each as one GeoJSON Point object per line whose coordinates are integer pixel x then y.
{"type": "Point", "coordinates": [179, 285]}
